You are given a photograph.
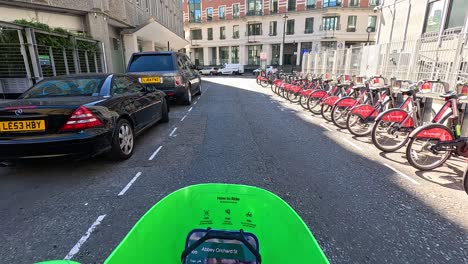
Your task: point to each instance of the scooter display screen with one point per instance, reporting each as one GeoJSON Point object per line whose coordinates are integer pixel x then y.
{"type": "Point", "coordinates": [220, 251]}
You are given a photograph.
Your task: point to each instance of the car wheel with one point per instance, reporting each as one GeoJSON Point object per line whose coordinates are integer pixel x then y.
{"type": "Point", "coordinates": [165, 111]}
{"type": "Point", "coordinates": [187, 100]}
{"type": "Point", "coordinates": [123, 141]}
{"type": "Point", "coordinates": [211, 73]}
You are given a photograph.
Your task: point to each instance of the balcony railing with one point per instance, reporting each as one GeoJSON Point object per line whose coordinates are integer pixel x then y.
{"type": "Point", "coordinates": [336, 28]}
{"type": "Point", "coordinates": [254, 13]}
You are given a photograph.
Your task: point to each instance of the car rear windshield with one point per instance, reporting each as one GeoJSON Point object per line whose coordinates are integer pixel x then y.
{"type": "Point", "coordinates": [152, 62]}
{"type": "Point", "coordinates": [65, 87]}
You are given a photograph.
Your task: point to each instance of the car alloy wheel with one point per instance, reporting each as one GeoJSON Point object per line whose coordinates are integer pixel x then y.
{"type": "Point", "coordinates": [126, 139]}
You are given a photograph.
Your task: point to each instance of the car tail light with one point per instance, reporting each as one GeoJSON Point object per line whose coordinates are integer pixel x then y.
{"type": "Point", "coordinates": [81, 118]}
{"type": "Point", "coordinates": [178, 81]}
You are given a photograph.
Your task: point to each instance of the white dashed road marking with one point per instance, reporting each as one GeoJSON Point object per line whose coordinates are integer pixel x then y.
{"type": "Point", "coordinates": [173, 131]}
{"type": "Point", "coordinates": [190, 109]}
{"type": "Point", "coordinates": [83, 239]}
{"type": "Point", "coordinates": [155, 153]}
{"type": "Point", "coordinates": [125, 189]}
{"type": "Point", "coordinates": [401, 174]}
{"type": "Point", "coordinates": [183, 118]}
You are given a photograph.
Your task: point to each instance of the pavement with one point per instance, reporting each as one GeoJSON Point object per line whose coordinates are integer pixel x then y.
{"type": "Point", "coordinates": [361, 205]}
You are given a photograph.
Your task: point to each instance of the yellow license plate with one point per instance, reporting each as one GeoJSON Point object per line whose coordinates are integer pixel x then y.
{"type": "Point", "coordinates": [151, 80]}
{"type": "Point", "coordinates": [23, 125]}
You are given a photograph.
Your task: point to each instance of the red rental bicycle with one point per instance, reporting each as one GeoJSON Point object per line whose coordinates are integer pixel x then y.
{"type": "Point", "coordinates": [431, 145]}
{"type": "Point", "coordinates": [313, 85]}
{"type": "Point", "coordinates": [392, 127]}
{"type": "Point", "coordinates": [342, 107]}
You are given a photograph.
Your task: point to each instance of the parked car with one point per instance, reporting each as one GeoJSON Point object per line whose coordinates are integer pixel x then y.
{"type": "Point", "coordinates": [235, 68]}
{"type": "Point", "coordinates": [268, 70]}
{"type": "Point", "coordinates": [209, 70]}
{"type": "Point", "coordinates": [170, 72]}
{"type": "Point", "coordinates": [79, 115]}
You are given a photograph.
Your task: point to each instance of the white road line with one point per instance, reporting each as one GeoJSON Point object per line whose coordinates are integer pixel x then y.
{"type": "Point", "coordinates": [352, 144]}
{"type": "Point", "coordinates": [173, 131]}
{"type": "Point", "coordinates": [83, 239]}
{"type": "Point", "coordinates": [155, 153]}
{"type": "Point", "coordinates": [195, 103]}
{"type": "Point", "coordinates": [401, 174]}
{"type": "Point", "coordinates": [190, 109]}
{"type": "Point", "coordinates": [129, 184]}
{"type": "Point", "coordinates": [183, 118]}
{"type": "Point", "coordinates": [327, 128]}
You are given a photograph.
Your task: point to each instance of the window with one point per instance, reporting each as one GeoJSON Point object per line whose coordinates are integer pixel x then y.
{"type": "Point", "coordinates": [275, 53]}
{"type": "Point", "coordinates": [372, 22]}
{"type": "Point", "coordinates": [254, 54]}
{"type": "Point", "coordinates": [194, 11]}
{"type": "Point", "coordinates": [222, 33]}
{"type": "Point", "coordinates": [209, 14]}
{"type": "Point", "coordinates": [138, 2]}
{"type": "Point", "coordinates": [147, 5]}
{"type": "Point", "coordinates": [197, 56]}
{"type": "Point", "coordinates": [353, 3]}
{"type": "Point", "coordinates": [224, 55]}
{"type": "Point", "coordinates": [328, 44]}
{"type": "Point", "coordinates": [213, 56]}
{"type": "Point", "coordinates": [309, 25]}
{"type": "Point", "coordinates": [235, 11]}
{"type": "Point", "coordinates": [254, 7]}
{"type": "Point", "coordinates": [273, 25]}
{"type": "Point", "coordinates": [235, 31]}
{"type": "Point", "coordinates": [196, 34]}
{"type": "Point", "coordinates": [330, 23]}
{"type": "Point", "coordinates": [274, 6]}
{"type": "Point", "coordinates": [221, 13]}
{"type": "Point", "coordinates": [235, 54]}
{"type": "Point", "coordinates": [374, 2]}
{"type": "Point", "coordinates": [82, 86]}
{"type": "Point", "coordinates": [434, 17]}
{"type": "Point", "coordinates": [210, 33]}
{"type": "Point", "coordinates": [331, 3]}
{"type": "Point", "coordinates": [456, 16]}
{"type": "Point", "coordinates": [351, 24]}
{"type": "Point", "coordinates": [291, 5]}
{"type": "Point", "coordinates": [255, 29]}
{"type": "Point", "coordinates": [310, 4]}
{"type": "Point", "coordinates": [290, 27]}
{"type": "Point", "coordinates": [124, 85]}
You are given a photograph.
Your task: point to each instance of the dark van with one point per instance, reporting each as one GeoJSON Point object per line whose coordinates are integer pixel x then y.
{"type": "Point", "coordinates": [170, 72]}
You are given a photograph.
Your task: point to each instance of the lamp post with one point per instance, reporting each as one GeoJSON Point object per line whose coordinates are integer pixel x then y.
{"type": "Point", "coordinates": [285, 17]}
{"type": "Point", "coordinates": [369, 30]}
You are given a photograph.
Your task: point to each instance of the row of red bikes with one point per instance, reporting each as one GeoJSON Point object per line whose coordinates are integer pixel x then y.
{"type": "Point", "coordinates": [395, 115]}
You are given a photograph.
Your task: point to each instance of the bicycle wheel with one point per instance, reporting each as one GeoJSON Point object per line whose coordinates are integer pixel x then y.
{"type": "Point", "coordinates": [339, 115]}
{"type": "Point", "coordinates": [313, 104]}
{"type": "Point", "coordinates": [293, 97]}
{"type": "Point", "coordinates": [420, 155]}
{"type": "Point", "coordinates": [303, 101]}
{"type": "Point", "coordinates": [387, 138]}
{"type": "Point", "coordinates": [264, 83]}
{"type": "Point", "coordinates": [357, 126]}
{"type": "Point", "coordinates": [326, 110]}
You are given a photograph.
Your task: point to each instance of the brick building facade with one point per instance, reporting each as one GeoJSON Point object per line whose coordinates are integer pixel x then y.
{"type": "Point", "coordinates": [237, 31]}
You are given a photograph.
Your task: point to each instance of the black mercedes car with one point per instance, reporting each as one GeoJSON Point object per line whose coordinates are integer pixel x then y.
{"type": "Point", "coordinates": [79, 115]}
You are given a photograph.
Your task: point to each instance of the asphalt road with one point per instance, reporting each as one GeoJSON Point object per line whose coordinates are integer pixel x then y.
{"type": "Point", "coordinates": [362, 206]}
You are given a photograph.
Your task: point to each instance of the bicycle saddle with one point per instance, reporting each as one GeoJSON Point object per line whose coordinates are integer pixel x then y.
{"type": "Point", "coordinates": [449, 95]}
{"type": "Point", "coordinates": [406, 91]}
{"type": "Point", "coordinates": [359, 86]}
